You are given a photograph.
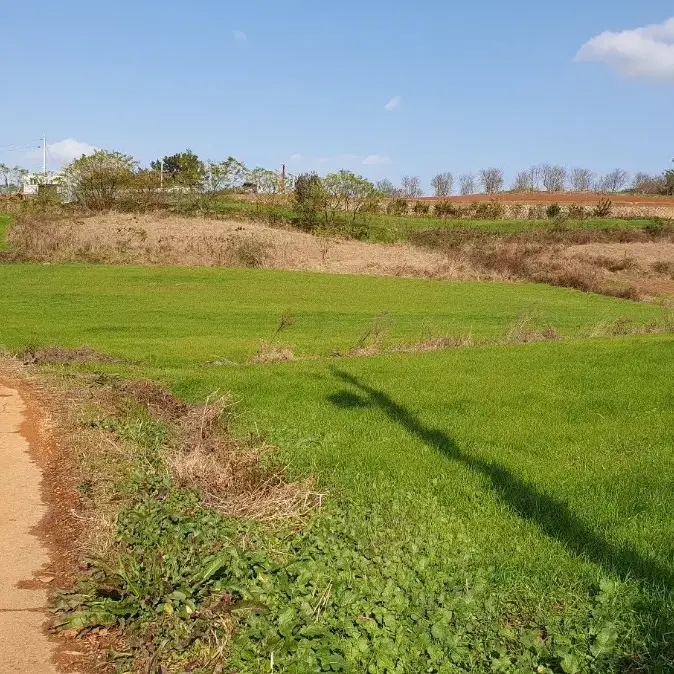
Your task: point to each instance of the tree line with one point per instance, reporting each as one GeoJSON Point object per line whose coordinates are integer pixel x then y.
{"type": "Point", "coordinates": [97, 179]}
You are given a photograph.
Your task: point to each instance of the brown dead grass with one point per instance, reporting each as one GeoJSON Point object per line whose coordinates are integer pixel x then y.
{"type": "Point", "coordinates": [164, 239]}
{"type": "Point", "coordinates": [230, 473]}
{"type": "Point", "coordinates": [59, 355]}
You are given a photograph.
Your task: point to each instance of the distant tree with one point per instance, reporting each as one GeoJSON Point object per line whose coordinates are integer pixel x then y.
{"type": "Point", "coordinates": [491, 180]}
{"type": "Point", "coordinates": [387, 188]}
{"type": "Point", "coordinates": [524, 181]}
{"type": "Point", "coordinates": [614, 181]}
{"type": "Point", "coordinates": [347, 192]}
{"type": "Point", "coordinates": [553, 177]}
{"type": "Point", "coordinates": [668, 178]}
{"type": "Point", "coordinates": [411, 187]}
{"type": "Point", "coordinates": [96, 180]}
{"type": "Point", "coordinates": [309, 200]}
{"type": "Point", "coordinates": [645, 183]}
{"type": "Point", "coordinates": [5, 174]}
{"type": "Point", "coordinates": [582, 180]}
{"type": "Point", "coordinates": [224, 175]}
{"type": "Point", "coordinates": [467, 184]}
{"type": "Point", "coordinates": [183, 169]}
{"type": "Point", "coordinates": [442, 184]}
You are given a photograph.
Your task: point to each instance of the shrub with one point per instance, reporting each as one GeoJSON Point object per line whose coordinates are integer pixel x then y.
{"type": "Point", "coordinates": [493, 210]}
{"type": "Point", "coordinates": [535, 212]}
{"type": "Point", "coordinates": [445, 209]}
{"type": "Point", "coordinates": [421, 208]}
{"type": "Point", "coordinates": [397, 207]}
{"type": "Point", "coordinates": [576, 212]}
{"type": "Point", "coordinates": [553, 211]}
{"type": "Point", "coordinates": [603, 208]}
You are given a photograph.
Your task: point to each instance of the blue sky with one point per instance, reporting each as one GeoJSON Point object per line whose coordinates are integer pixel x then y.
{"type": "Point", "coordinates": [306, 83]}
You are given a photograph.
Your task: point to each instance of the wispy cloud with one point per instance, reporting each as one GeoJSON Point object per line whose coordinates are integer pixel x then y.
{"type": "Point", "coordinates": [643, 53]}
{"type": "Point", "coordinates": [393, 103]}
{"type": "Point", "coordinates": [376, 160]}
{"type": "Point", "coordinates": [63, 151]}
{"type": "Point", "coordinates": [239, 36]}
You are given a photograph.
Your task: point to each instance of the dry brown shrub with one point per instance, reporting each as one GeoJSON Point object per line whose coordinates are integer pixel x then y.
{"type": "Point", "coordinates": [229, 473]}
{"type": "Point", "coordinates": [272, 353]}
{"type": "Point", "coordinates": [60, 355]}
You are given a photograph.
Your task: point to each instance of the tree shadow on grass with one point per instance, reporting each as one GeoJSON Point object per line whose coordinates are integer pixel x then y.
{"type": "Point", "coordinates": [551, 515]}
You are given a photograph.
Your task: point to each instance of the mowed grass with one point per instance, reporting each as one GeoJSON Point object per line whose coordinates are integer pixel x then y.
{"type": "Point", "coordinates": [503, 508]}
{"type": "Point", "coordinates": [177, 316]}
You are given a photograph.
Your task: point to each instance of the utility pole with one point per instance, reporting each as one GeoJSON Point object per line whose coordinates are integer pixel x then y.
{"type": "Point", "coordinates": [161, 174]}
{"type": "Point", "coordinates": [44, 158]}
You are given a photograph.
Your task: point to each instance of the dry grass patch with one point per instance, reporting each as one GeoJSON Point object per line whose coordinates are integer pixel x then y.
{"type": "Point", "coordinates": [164, 239]}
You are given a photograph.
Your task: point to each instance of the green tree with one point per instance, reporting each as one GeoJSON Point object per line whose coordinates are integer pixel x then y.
{"type": "Point", "coordinates": [309, 200]}
{"type": "Point", "coordinates": [224, 175]}
{"type": "Point", "coordinates": [347, 192]}
{"type": "Point", "coordinates": [96, 180]}
{"type": "Point", "coordinates": [183, 169]}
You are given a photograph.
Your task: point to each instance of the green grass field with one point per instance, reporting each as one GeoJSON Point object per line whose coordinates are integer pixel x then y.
{"type": "Point", "coordinates": [176, 316]}
{"type": "Point", "coordinates": [384, 227]}
{"type": "Point", "coordinates": [489, 509]}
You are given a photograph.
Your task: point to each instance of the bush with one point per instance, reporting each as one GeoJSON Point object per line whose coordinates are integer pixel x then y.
{"type": "Point", "coordinates": [577, 212]}
{"type": "Point", "coordinates": [397, 207]}
{"type": "Point", "coordinates": [420, 208]}
{"type": "Point", "coordinates": [603, 208]}
{"type": "Point", "coordinates": [553, 211]}
{"type": "Point", "coordinates": [535, 212]}
{"type": "Point", "coordinates": [494, 210]}
{"type": "Point", "coordinates": [445, 209]}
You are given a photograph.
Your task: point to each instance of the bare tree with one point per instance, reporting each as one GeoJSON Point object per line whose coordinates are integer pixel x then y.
{"type": "Point", "coordinates": [491, 180]}
{"type": "Point", "coordinates": [524, 181]}
{"type": "Point", "coordinates": [614, 181]}
{"type": "Point", "coordinates": [442, 184]}
{"type": "Point", "coordinates": [553, 177]}
{"type": "Point", "coordinates": [411, 187]}
{"type": "Point", "coordinates": [467, 184]}
{"type": "Point", "coordinates": [645, 183]}
{"type": "Point", "coordinates": [387, 188]}
{"type": "Point", "coordinates": [582, 180]}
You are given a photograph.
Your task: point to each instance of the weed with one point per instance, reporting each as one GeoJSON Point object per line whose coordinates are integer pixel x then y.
{"type": "Point", "coordinates": [663, 267]}
{"type": "Point", "coordinates": [603, 208]}
{"type": "Point", "coordinates": [553, 211]}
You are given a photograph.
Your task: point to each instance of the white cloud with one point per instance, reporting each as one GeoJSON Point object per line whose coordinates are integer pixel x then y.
{"type": "Point", "coordinates": [643, 53]}
{"type": "Point", "coordinates": [393, 103]}
{"type": "Point", "coordinates": [239, 36]}
{"type": "Point", "coordinates": [62, 152]}
{"type": "Point", "coordinates": [376, 160]}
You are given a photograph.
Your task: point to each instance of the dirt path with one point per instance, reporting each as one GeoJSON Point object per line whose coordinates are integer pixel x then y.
{"type": "Point", "coordinates": [24, 647]}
